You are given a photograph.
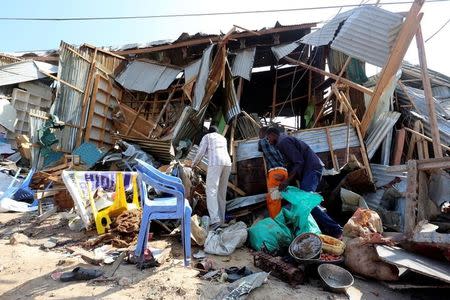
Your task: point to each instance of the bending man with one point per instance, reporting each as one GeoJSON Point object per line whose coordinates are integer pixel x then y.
{"type": "Point", "coordinates": [305, 166]}
{"type": "Point", "coordinates": [219, 167]}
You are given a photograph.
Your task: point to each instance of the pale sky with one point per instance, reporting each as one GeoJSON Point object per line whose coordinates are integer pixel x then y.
{"type": "Point", "coordinates": [33, 35]}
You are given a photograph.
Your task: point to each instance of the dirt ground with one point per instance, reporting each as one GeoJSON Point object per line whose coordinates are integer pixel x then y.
{"type": "Point", "coordinates": [26, 268]}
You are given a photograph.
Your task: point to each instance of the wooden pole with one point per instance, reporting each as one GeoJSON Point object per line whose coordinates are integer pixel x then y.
{"type": "Point", "coordinates": [394, 61]}
{"type": "Point", "coordinates": [274, 96]}
{"type": "Point", "coordinates": [428, 94]}
{"type": "Point", "coordinates": [161, 113]}
{"type": "Point", "coordinates": [331, 75]}
{"type": "Point", "coordinates": [426, 138]}
{"type": "Point", "coordinates": [136, 116]}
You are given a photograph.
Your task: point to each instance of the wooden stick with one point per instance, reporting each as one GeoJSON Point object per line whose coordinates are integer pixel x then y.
{"type": "Point", "coordinates": [60, 80]}
{"type": "Point", "coordinates": [394, 61]}
{"type": "Point", "coordinates": [161, 112]}
{"type": "Point", "coordinates": [86, 95]}
{"type": "Point", "coordinates": [274, 95]}
{"type": "Point", "coordinates": [364, 153]}
{"type": "Point", "coordinates": [331, 75]}
{"type": "Point", "coordinates": [330, 145]}
{"type": "Point", "coordinates": [426, 138]}
{"type": "Point", "coordinates": [428, 94]}
{"type": "Point", "coordinates": [137, 115]}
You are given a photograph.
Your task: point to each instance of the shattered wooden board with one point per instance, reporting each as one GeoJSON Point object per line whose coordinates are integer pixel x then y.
{"type": "Point", "coordinates": [414, 262]}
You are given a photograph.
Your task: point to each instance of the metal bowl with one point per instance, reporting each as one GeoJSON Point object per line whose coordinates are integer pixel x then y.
{"type": "Point", "coordinates": [335, 278]}
{"type": "Point", "coordinates": [306, 247]}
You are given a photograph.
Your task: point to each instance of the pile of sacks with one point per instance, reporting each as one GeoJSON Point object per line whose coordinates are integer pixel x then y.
{"type": "Point", "coordinates": [362, 232]}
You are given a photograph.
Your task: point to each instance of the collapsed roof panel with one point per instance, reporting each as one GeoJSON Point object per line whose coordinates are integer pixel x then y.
{"type": "Point", "coordinates": [147, 77]}
{"type": "Point", "coordinates": [200, 85]}
{"type": "Point", "coordinates": [24, 71]}
{"type": "Point", "coordinates": [326, 33]}
{"type": "Point", "coordinates": [243, 63]}
{"type": "Point", "coordinates": [191, 70]}
{"type": "Point", "coordinates": [368, 34]}
{"type": "Point", "coordinates": [284, 50]}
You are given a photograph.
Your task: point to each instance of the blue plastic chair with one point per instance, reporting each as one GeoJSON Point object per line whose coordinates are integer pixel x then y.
{"type": "Point", "coordinates": [163, 208]}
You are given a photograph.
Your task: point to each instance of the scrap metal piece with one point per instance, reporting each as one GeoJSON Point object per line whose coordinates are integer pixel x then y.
{"type": "Point", "coordinates": [292, 274]}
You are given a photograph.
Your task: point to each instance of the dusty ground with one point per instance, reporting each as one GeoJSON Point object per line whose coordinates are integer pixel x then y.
{"type": "Point", "coordinates": [25, 270]}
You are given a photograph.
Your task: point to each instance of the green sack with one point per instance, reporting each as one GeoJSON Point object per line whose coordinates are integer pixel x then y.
{"type": "Point", "coordinates": [300, 213]}
{"type": "Point", "coordinates": [269, 233]}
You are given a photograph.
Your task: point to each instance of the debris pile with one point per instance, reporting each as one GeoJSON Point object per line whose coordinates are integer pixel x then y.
{"type": "Point", "coordinates": [116, 136]}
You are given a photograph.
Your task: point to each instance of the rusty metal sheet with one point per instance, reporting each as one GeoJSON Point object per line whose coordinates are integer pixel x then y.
{"type": "Point", "coordinates": [417, 263]}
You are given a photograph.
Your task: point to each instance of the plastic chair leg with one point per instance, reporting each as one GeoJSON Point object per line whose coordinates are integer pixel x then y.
{"type": "Point", "coordinates": [143, 235]}
{"type": "Point", "coordinates": [187, 235]}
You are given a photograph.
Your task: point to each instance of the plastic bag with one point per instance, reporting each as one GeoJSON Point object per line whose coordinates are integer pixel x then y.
{"type": "Point", "coordinates": [225, 241]}
{"type": "Point", "coordinates": [278, 233]}
{"type": "Point", "coordinates": [300, 213]}
{"type": "Point", "coordinates": [271, 234]}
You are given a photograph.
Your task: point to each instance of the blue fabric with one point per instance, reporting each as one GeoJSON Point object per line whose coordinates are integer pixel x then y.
{"type": "Point", "coordinates": [309, 183]}
{"type": "Point", "coordinates": [300, 157]}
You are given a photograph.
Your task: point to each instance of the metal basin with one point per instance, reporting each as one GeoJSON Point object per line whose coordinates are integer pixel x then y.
{"type": "Point", "coordinates": [305, 247]}
{"type": "Point", "coordinates": [335, 278]}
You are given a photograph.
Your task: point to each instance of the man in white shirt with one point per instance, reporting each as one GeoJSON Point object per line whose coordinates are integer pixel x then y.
{"type": "Point", "coordinates": [219, 167]}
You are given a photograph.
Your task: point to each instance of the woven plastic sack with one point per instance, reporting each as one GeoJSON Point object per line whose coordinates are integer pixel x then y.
{"type": "Point", "coordinates": [270, 234]}
{"type": "Point", "coordinates": [300, 213]}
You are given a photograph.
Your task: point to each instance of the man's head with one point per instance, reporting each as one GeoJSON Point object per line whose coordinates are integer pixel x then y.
{"type": "Point", "coordinates": [212, 129]}
{"type": "Point", "coordinates": [272, 135]}
{"type": "Point", "coordinates": [263, 132]}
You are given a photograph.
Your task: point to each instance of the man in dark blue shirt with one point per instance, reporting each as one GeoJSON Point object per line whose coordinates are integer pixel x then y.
{"type": "Point", "coordinates": [305, 166]}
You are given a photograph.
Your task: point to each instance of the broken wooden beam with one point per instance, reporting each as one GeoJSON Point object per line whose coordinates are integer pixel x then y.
{"type": "Point", "coordinates": [428, 94]}
{"type": "Point", "coordinates": [424, 165]}
{"type": "Point", "coordinates": [394, 61]}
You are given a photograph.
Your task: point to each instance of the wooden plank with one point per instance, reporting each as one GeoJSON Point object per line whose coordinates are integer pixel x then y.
{"type": "Point", "coordinates": [236, 189]}
{"type": "Point", "coordinates": [364, 153]}
{"type": "Point", "coordinates": [426, 138]}
{"type": "Point", "coordinates": [411, 197]}
{"type": "Point", "coordinates": [398, 147]}
{"type": "Point", "coordinates": [331, 75]}
{"type": "Point", "coordinates": [417, 263]}
{"type": "Point", "coordinates": [86, 96]}
{"type": "Point", "coordinates": [424, 165]}
{"type": "Point", "coordinates": [91, 110]}
{"type": "Point", "coordinates": [137, 115]}
{"type": "Point", "coordinates": [274, 95]}
{"type": "Point", "coordinates": [394, 61]}
{"type": "Point", "coordinates": [330, 145]}
{"type": "Point", "coordinates": [62, 81]}
{"type": "Point", "coordinates": [428, 95]}
{"type": "Point", "coordinates": [214, 39]}
{"type": "Point", "coordinates": [113, 268]}
{"type": "Point", "coordinates": [166, 104]}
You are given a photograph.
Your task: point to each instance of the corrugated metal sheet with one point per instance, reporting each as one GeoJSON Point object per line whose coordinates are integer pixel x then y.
{"type": "Point", "coordinates": [191, 70]}
{"type": "Point", "coordinates": [316, 139]}
{"type": "Point", "coordinates": [232, 107]}
{"type": "Point", "coordinates": [442, 95]}
{"type": "Point", "coordinates": [378, 132]}
{"type": "Point", "coordinates": [325, 34]}
{"type": "Point", "coordinates": [368, 34]}
{"type": "Point", "coordinates": [284, 50]}
{"type": "Point", "coordinates": [162, 151]}
{"type": "Point", "coordinates": [243, 63]}
{"type": "Point", "coordinates": [414, 72]}
{"type": "Point", "coordinates": [202, 79]}
{"type": "Point", "coordinates": [147, 77]}
{"type": "Point", "coordinates": [24, 71]}
{"type": "Point", "coordinates": [417, 96]}
{"type": "Point", "coordinates": [382, 178]}
{"type": "Point", "coordinates": [245, 201]}
{"type": "Point", "coordinates": [68, 104]}
{"type": "Point", "coordinates": [191, 155]}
